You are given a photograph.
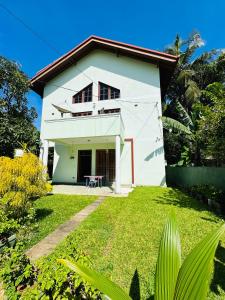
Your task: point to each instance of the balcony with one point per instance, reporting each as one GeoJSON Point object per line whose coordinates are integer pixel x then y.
{"type": "Point", "coordinates": [108, 125]}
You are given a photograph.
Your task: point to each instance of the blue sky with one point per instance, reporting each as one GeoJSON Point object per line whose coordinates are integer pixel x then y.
{"type": "Point", "coordinates": [152, 24]}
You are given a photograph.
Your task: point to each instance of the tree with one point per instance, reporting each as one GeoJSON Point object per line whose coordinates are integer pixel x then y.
{"type": "Point", "coordinates": [186, 90]}
{"type": "Point", "coordinates": [212, 122]}
{"type": "Point", "coordinates": [16, 119]}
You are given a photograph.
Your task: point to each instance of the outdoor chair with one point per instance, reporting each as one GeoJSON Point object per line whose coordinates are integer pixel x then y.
{"type": "Point", "coordinates": [92, 182]}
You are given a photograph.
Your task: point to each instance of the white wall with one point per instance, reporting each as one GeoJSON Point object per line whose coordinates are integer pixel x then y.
{"type": "Point", "coordinates": [139, 84]}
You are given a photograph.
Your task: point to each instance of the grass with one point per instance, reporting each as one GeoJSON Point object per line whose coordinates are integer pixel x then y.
{"type": "Point", "coordinates": [54, 210]}
{"type": "Point", "coordinates": [122, 236]}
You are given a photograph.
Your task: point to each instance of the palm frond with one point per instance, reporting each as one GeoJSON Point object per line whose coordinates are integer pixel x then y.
{"type": "Point", "coordinates": [169, 261]}
{"type": "Point", "coordinates": [195, 273]}
{"type": "Point", "coordinates": [186, 119]}
{"type": "Point", "coordinates": [172, 124]}
{"type": "Point", "coordinates": [103, 284]}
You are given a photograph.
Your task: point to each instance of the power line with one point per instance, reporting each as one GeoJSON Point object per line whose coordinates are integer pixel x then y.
{"type": "Point", "coordinates": [46, 42]}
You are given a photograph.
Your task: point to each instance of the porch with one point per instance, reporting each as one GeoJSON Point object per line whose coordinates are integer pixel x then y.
{"type": "Point", "coordinates": [85, 146]}
{"type": "Point", "coordinates": [83, 190]}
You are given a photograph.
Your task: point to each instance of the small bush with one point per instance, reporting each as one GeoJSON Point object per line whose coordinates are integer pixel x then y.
{"type": "Point", "coordinates": [7, 226]}
{"type": "Point", "coordinates": [22, 180]}
{"type": "Point", "coordinates": [206, 192]}
{"type": "Point", "coordinates": [47, 280]}
{"type": "Point", "coordinates": [16, 271]}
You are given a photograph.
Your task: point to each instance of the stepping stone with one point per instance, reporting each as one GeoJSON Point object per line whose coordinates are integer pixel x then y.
{"type": "Point", "coordinates": [46, 246]}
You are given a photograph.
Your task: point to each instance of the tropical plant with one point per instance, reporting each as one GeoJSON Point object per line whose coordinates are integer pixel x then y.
{"type": "Point", "coordinates": [174, 281]}
{"type": "Point", "coordinates": [212, 121]}
{"type": "Point", "coordinates": [192, 75]}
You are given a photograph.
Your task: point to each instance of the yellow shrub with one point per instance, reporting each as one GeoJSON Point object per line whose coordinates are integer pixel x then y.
{"type": "Point", "coordinates": [21, 180]}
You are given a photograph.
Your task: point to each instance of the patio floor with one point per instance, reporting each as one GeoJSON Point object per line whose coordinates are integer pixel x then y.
{"type": "Point", "coordinates": [83, 190]}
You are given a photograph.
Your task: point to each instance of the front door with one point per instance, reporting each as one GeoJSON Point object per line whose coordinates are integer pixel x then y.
{"type": "Point", "coordinates": [84, 165]}
{"type": "Point", "coordinates": [105, 164]}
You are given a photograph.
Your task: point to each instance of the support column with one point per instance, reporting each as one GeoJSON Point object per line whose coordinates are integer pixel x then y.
{"type": "Point", "coordinates": [118, 183]}
{"type": "Point", "coordinates": [45, 153]}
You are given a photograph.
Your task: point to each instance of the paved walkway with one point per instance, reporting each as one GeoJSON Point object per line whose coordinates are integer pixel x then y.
{"type": "Point", "coordinates": [83, 190]}
{"type": "Point", "coordinates": [46, 246]}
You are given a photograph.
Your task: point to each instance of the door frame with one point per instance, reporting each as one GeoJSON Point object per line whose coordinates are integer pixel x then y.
{"type": "Point", "coordinates": [78, 163]}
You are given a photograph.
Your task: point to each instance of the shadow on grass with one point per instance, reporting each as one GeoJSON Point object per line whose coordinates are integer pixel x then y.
{"type": "Point", "coordinates": [181, 199]}
{"type": "Point", "coordinates": [219, 271]}
{"type": "Point", "coordinates": [135, 287]}
{"type": "Point", "coordinates": [42, 213]}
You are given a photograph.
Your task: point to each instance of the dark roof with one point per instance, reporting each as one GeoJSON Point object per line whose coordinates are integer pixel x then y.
{"type": "Point", "coordinates": [165, 61]}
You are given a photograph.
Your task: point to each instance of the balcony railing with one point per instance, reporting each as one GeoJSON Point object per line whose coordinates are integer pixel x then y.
{"type": "Point", "coordinates": [87, 126]}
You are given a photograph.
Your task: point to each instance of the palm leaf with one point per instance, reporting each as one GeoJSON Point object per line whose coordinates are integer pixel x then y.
{"type": "Point", "coordinates": [192, 92]}
{"type": "Point", "coordinates": [169, 123]}
{"type": "Point", "coordinates": [195, 273]}
{"type": "Point", "coordinates": [185, 75]}
{"type": "Point", "coordinates": [99, 281]}
{"type": "Point", "coordinates": [186, 119]}
{"type": "Point", "coordinates": [169, 261]}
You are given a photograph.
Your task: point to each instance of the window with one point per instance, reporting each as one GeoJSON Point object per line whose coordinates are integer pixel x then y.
{"type": "Point", "coordinates": [82, 114]}
{"type": "Point", "coordinates": [84, 95]}
{"type": "Point", "coordinates": [107, 92]}
{"type": "Point", "coordinates": [109, 111]}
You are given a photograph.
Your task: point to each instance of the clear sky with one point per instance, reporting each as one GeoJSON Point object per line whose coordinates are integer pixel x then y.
{"type": "Point", "coordinates": [64, 24]}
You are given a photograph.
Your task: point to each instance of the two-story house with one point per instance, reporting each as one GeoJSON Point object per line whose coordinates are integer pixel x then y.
{"type": "Point", "coordinates": [101, 111]}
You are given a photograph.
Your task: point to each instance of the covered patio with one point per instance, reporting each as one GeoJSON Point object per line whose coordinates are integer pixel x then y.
{"type": "Point", "coordinates": [83, 190]}
{"type": "Point", "coordinates": [85, 146]}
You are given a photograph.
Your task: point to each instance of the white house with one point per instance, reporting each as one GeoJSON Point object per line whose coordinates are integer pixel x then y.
{"type": "Point", "coordinates": [101, 112]}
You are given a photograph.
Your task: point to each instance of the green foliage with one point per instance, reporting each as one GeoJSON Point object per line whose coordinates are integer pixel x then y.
{"type": "Point", "coordinates": [7, 226]}
{"type": "Point", "coordinates": [185, 159]}
{"type": "Point", "coordinates": [22, 180]}
{"type": "Point", "coordinates": [187, 100]}
{"type": "Point", "coordinates": [105, 285]}
{"type": "Point", "coordinates": [205, 192]}
{"type": "Point", "coordinates": [173, 282]}
{"type": "Point", "coordinates": [56, 282]}
{"type": "Point", "coordinates": [16, 271]}
{"type": "Point", "coordinates": [212, 121]}
{"type": "Point", "coordinates": [169, 261]}
{"type": "Point", "coordinates": [16, 119]}
{"type": "Point", "coordinates": [172, 124]}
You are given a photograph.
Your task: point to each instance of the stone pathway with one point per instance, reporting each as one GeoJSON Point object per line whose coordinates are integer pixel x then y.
{"type": "Point", "coordinates": [46, 246]}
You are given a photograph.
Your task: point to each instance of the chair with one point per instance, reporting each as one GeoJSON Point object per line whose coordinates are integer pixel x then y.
{"type": "Point", "coordinates": [92, 181]}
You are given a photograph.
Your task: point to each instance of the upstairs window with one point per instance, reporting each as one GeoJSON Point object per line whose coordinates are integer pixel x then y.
{"type": "Point", "coordinates": [84, 95]}
{"type": "Point", "coordinates": [109, 111]}
{"type": "Point", "coordinates": [107, 92]}
{"type": "Point", "coordinates": [82, 114]}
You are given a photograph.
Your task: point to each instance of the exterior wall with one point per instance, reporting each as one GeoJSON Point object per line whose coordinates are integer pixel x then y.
{"type": "Point", "coordinates": [65, 168]}
{"type": "Point", "coordinates": [140, 105]}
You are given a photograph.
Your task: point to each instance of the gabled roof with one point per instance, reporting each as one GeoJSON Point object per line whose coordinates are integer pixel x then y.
{"type": "Point", "coordinates": [166, 62]}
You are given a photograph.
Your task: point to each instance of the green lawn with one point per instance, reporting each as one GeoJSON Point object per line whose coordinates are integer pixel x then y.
{"type": "Point", "coordinates": [54, 210]}
{"type": "Point", "coordinates": [123, 235]}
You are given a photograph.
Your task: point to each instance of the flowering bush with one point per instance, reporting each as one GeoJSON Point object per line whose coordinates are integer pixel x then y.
{"type": "Point", "coordinates": [22, 180]}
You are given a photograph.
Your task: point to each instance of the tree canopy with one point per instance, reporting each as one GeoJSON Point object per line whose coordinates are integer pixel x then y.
{"type": "Point", "coordinates": [188, 99]}
{"type": "Point", "coordinates": [16, 118]}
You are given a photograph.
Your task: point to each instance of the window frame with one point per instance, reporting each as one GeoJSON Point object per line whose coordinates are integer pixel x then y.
{"type": "Point", "coordinates": [110, 90]}
{"type": "Point", "coordinates": [82, 93]}
{"type": "Point", "coordinates": [82, 114]}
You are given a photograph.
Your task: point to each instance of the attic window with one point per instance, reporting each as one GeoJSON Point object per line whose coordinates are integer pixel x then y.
{"type": "Point", "coordinates": [107, 92]}
{"type": "Point", "coordinates": [84, 95]}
